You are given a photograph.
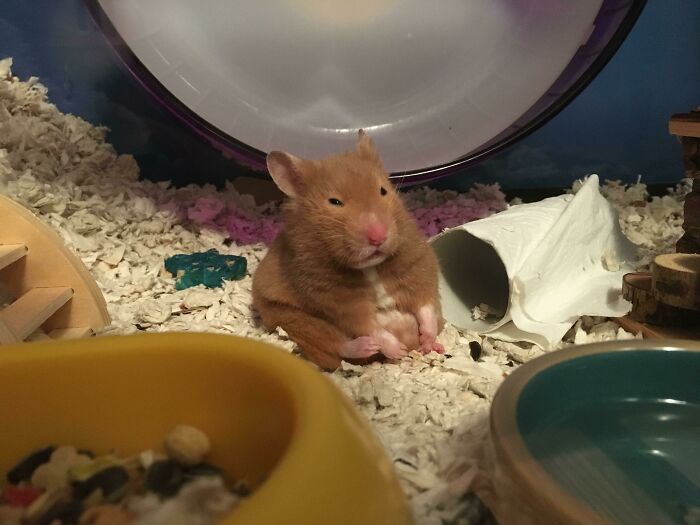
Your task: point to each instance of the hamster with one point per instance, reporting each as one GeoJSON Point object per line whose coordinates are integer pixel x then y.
{"type": "Point", "coordinates": [350, 276]}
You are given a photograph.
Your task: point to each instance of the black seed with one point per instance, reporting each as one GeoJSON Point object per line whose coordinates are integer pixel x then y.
{"type": "Point", "coordinates": [109, 480]}
{"type": "Point", "coordinates": [23, 470]}
{"type": "Point", "coordinates": [165, 478]}
{"type": "Point", "coordinates": [475, 350]}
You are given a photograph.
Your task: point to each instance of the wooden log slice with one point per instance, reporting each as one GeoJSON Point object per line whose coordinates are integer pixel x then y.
{"type": "Point", "coordinates": [685, 124]}
{"type": "Point", "coordinates": [646, 308]}
{"type": "Point", "coordinates": [676, 280]}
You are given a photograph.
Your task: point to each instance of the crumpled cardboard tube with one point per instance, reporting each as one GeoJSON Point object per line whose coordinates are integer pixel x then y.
{"type": "Point", "coordinates": [540, 265]}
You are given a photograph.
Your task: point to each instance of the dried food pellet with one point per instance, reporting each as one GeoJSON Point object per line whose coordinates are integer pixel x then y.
{"type": "Point", "coordinates": [25, 468]}
{"type": "Point", "coordinates": [147, 457]}
{"type": "Point", "coordinates": [21, 496]}
{"type": "Point", "coordinates": [54, 473]}
{"type": "Point", "coordinates": [475, 350]}
{"type": "Point", "coordinates": [187, 445]}
{"type": "Point", "coordinates": [75, 488]}
{"type": "Point", "coordinates": [65, 454]}
{"type": "Point", "coordinates": [164, 477]}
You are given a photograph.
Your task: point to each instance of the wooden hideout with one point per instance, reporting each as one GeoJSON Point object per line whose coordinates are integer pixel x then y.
{"type": "Point", "coordinates": [666, 301]}
{"type": "Point", "coordinates": [48, 287]}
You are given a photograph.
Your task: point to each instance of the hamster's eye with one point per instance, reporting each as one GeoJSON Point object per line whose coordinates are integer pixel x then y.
{"type": "Point", "coordinates": [382, 190]}
{"type": "Point", "coordinates": [335, 202]}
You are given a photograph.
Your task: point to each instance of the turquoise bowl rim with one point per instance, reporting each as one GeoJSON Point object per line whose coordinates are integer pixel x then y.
{"type": "Point", "coordinates": [542, 491]}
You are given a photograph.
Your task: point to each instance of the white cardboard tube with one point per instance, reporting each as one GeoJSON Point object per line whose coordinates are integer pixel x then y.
{"type": "Point", "coordinates": [542, 264]}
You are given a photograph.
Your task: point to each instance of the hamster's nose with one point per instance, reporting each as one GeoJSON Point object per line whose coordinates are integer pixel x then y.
{"type": "Point", "coordinates": [376, 234]}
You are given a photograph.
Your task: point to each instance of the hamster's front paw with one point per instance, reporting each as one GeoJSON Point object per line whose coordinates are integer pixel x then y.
{"type": "Point", "coordinates": [391, 346]}
{"type": "Point", "coordinates": [360, 348]}
{"type": "Point", "coordinates": [428, 330]}
{"type": "Point", "coordinates": [428, 346]}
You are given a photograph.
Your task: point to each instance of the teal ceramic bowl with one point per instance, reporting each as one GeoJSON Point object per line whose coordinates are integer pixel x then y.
{"type": "Point", "coordinates": [605, 433]}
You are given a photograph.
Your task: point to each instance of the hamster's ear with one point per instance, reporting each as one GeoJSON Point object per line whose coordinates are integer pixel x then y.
{"type": "Point", "coordinates": [365, 146]}
{"type": "Point", "coordinates": [287, 172]}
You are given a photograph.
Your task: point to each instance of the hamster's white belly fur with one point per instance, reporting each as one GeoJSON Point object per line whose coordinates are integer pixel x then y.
{"type": "Point", "coordinates": [402, 325]}
{"type": "Point", "coordinates": [384, 300]}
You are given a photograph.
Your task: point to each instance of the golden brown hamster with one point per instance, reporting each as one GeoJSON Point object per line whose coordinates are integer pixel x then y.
{"type": "Point", "coordinates": [350, 275]}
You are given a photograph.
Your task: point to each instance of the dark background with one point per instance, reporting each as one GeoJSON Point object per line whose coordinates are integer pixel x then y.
{"type": "Point", "coordinates": [617, 127]}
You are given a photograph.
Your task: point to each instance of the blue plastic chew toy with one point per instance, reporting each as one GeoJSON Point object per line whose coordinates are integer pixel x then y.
{"type": "Point", "coordinates": [209, 268]}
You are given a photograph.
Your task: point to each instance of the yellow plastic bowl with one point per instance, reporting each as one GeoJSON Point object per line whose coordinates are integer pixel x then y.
{"type": "Point", "coordinates": [272, 419]}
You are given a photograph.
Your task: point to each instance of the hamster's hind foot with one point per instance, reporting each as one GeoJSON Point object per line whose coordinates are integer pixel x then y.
{"type": "Point", "coordinates": [360, 348]}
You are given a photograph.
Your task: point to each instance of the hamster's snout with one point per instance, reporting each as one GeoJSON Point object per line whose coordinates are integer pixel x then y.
{"type": "Point", "coordinates": [373, 241]}
{"type": "Point", "coordinates": [376, 233]}
{"type": "Point", "coordinates": [373, 230]}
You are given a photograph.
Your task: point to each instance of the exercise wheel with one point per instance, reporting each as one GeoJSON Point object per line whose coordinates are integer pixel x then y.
{"type": "Point", "coordinates": [438, 85]}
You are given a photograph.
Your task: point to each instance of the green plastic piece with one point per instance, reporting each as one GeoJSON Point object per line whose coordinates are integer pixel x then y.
{"type": "Point", "coordinates": [83, 471]}
{"type": "Point", "coordinates": [209, 268]}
